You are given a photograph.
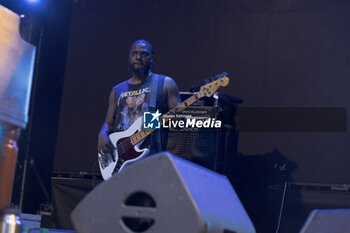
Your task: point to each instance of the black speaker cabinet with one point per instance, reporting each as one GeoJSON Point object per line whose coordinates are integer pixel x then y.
{"type": "Point", "coordinates": [163, 193]}
{"type": "Point", "coordinates": [203, 146]}
{"type": "Point", "coordinates": [326, 221]}
{"type": "Point", "coordinates": [200, 146]}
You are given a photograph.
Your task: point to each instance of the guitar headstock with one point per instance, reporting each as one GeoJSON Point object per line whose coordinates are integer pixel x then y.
{"type": "Point", "coordinates": [220, 80]}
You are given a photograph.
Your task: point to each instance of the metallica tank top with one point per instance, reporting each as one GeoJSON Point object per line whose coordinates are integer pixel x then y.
{"type": "Point", "coordinates": [132, 100]}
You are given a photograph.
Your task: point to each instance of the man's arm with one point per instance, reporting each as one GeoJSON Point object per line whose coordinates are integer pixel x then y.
{"type": "Point", "coordinates": [103, 141]}
{"type": "Point", "coordinates": [172, 92]}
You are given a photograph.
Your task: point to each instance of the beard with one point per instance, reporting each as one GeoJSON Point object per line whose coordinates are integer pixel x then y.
{"type": "Point", "coordinates": [142, 70]}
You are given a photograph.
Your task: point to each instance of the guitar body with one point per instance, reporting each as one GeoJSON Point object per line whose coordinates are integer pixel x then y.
{"type": "Point", "coordinates": [124, 153]}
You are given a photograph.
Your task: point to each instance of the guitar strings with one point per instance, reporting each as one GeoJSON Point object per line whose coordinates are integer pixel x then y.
{"type": "Point", "coordinates": [127, 144]}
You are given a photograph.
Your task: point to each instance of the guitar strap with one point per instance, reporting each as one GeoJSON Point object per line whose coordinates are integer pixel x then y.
{"type": "Point", "coordinates": [157, 101]}
{"type": "Point", "coordinates": [157, 86]}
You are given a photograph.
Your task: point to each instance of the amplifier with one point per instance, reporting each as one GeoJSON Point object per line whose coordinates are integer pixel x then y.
{"type": "Point", "coordinates": [200, 146]}
{"type": "Point", "coordinates": [204, 101]}
{"type": "Point", "coordinates": [197, 145]}
{"type": "Point", "coordinates": [211, 148]}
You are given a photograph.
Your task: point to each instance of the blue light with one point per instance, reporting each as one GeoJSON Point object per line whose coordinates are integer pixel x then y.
{"type": "Point", "coordinates": [33, 1]}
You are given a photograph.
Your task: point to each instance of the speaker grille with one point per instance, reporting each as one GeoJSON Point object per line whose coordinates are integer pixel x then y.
{"type": "Point", "coordinates": [196, 145]}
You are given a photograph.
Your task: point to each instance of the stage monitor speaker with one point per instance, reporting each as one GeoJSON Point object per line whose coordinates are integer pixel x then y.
{"type": "Point", "coordinates": [163, 193]}
{"type": "Point", "coordinates": [326, 221]}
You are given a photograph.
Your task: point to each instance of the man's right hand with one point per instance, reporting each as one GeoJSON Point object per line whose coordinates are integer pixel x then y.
{"type": "Point", "coordinates": [103, 143]}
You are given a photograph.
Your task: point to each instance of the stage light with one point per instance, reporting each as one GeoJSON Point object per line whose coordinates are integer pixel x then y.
{"type": "Point", "coordinates": [33, 1]}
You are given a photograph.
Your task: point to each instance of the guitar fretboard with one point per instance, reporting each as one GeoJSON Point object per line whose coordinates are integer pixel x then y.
{"type": "Point", "coordinates": [139, 136]}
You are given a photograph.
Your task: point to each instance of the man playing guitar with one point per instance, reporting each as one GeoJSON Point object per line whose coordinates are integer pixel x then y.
{"type": "Point", "coordinates": [144, 91]}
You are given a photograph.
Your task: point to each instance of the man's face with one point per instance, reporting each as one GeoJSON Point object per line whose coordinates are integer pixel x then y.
{"type": "Point", "coordinates": [140, 59]}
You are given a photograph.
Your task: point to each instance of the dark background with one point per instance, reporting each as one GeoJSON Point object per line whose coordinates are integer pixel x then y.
{"type": "Point", "coordinates": [278, 54]}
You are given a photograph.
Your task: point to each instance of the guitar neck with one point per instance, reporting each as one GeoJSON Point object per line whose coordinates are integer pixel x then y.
{"type": "Point", "coordinates": [142, 134]}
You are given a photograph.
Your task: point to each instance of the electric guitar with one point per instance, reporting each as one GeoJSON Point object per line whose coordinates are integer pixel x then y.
{"type": "Point", "coordinates": [127, 143]}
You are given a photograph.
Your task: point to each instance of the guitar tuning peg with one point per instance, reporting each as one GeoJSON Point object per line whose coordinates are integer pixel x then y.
{"type": "Point", "coordinates": [207, 81]}
{"type": "Point", "coordinates": [213, 79]}
{"type": "Point", "coordinates": [223, 74]}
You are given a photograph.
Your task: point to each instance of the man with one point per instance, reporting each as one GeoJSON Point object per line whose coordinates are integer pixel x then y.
{"type": "Point", "coordinates": [144, 91]}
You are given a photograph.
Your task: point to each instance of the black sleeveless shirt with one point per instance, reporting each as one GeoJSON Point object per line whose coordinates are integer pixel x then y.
{"type": "Point", "coordinates": [134, 99]}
